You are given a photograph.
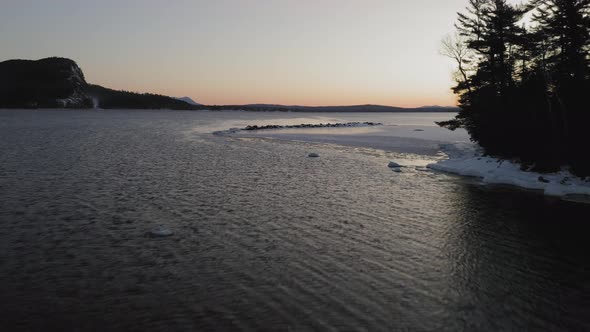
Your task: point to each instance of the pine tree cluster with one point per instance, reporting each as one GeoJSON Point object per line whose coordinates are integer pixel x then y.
{"type": "Point", "coordinates": [523, 80]}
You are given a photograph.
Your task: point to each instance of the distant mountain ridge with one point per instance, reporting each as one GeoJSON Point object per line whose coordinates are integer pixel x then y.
{"type": "Point", "coordinates": [59, 83]}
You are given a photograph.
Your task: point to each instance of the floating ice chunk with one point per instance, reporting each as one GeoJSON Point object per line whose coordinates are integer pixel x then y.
{"type": "Point", "coordinates": [160, 231]}
{"type": "Point", "coordinates": [313, 155]}
{"type": "Point", "coordinates": [393, 164]}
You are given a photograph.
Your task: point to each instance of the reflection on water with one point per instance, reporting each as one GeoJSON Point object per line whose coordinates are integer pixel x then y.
{"type": "Point", "coordinates": [523, 256]}
{"type": "Point", "coordinates": [265, 238]}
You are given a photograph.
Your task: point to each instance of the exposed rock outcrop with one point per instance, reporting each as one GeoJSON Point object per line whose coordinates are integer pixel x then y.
{"type": "Point", "coordinates": [45, 83]}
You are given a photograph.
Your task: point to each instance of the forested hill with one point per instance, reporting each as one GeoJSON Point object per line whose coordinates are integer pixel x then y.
{"type": "Point", "coordinates": [112, 99]}
{"type": "Point", "coordinates": [523, 80]}
{"type": "Point", "coordinates": [51, 82]}
{"type": "Point", "coordinates": [60, 83]}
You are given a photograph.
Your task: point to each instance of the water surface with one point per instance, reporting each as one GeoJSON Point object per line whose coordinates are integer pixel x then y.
{"type": "Point", "coordinates": [266, 238]}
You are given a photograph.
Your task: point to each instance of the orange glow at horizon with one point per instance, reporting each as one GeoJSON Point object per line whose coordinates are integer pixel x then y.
{"type": "Point", "coordinates": [302, 98]}
{"type": "Point", "coordinates": [304, 52]}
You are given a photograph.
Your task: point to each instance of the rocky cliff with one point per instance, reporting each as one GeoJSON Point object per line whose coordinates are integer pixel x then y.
{"type": "Point", "coordinates": [50, 82]}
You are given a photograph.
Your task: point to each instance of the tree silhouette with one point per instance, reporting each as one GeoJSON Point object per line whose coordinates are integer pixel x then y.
{"type": "Point", "coordinates": [522, 90]}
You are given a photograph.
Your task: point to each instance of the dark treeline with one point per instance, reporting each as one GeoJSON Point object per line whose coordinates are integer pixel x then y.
{"type": "Point", "coordinates": [523, 80]}
{"type": "Point", "coordinates": [110, 99]}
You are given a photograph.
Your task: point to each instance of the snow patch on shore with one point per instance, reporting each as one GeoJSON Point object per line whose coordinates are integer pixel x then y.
{"type": "Point", "coordinates": [467, 159]}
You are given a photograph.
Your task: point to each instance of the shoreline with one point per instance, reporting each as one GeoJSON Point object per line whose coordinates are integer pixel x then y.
{"type": "Point", "coordinates": [466, 160]}
{"type": "Point", "coordinates": [463, 158]}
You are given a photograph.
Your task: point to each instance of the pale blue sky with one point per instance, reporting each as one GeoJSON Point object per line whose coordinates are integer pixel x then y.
{"type": "Point", "coordinates": [311, 52]}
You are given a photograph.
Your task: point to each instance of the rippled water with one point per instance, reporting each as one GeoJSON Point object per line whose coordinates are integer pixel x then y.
{"type": "Point", "coordinates": [265, 238]}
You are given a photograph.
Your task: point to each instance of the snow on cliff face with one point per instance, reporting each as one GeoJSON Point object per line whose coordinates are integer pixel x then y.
{"type": "Point", "coordinates": [467, 159]}
{"type": "Point", "coordinates": [76, 78]}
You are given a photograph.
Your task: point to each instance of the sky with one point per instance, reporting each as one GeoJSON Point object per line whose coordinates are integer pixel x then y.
{"type": "Point", "coordinates": [304, 52]}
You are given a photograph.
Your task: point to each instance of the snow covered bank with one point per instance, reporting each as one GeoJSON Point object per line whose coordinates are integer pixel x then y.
{"type": "Point", "coordinates": [466, 159]}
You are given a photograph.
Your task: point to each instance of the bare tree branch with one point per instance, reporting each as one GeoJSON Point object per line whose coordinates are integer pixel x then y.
{"type": "Point", "coordinates": [455, 47]}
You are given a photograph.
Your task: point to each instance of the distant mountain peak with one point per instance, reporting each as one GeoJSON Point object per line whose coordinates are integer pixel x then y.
{"type": "Point", "coordinates": [188, 100]}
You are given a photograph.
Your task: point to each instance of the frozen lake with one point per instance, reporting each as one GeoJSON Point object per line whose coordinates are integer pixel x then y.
{"type": "Point", "coordinates": [265, 238]}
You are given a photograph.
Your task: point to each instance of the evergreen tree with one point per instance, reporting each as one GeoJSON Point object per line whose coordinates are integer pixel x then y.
{"type": "Point", "coordinates": [491, 31]}
{"type": "Point", "coordinates": [522, 92]}
{"type": "Point", "coordinates": [565, 27]}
